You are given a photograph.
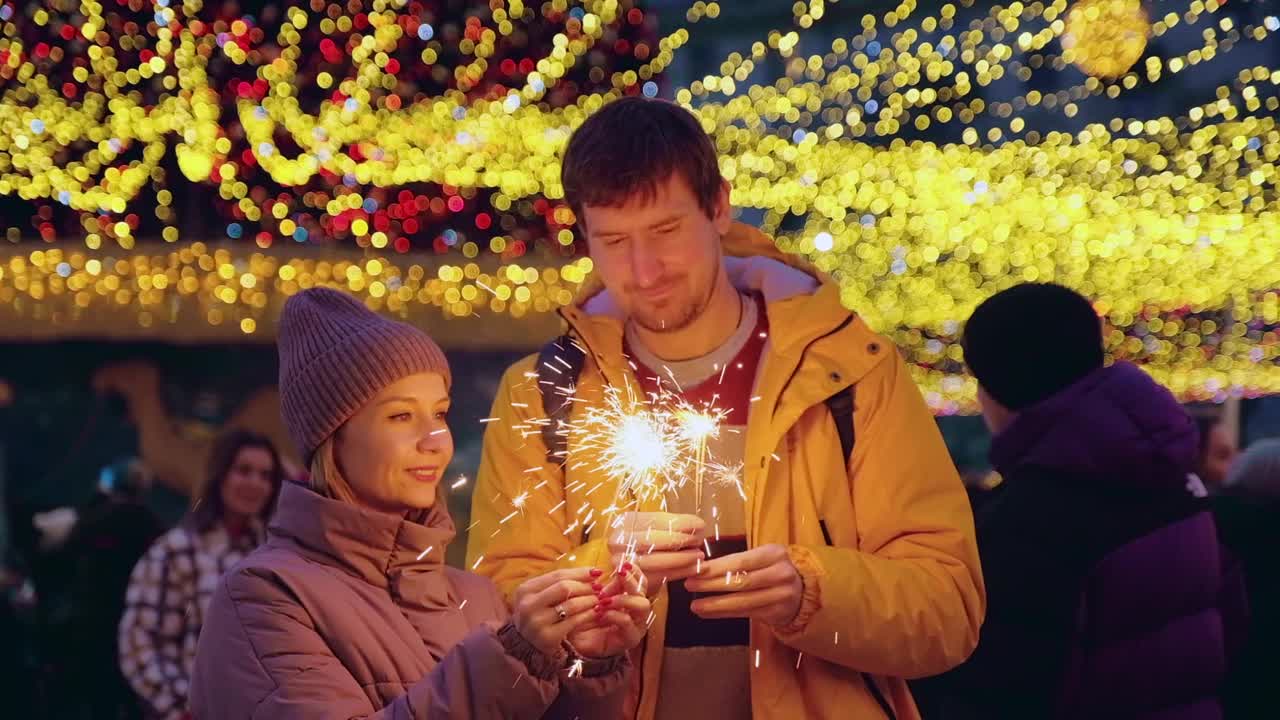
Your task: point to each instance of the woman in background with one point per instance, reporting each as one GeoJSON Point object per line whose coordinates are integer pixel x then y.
{"type": "Point", "coordinates": [170, 587]}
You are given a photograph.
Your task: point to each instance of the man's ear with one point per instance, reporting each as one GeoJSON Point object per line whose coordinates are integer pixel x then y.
{"type": "Point", "coordinates": [580, 228]}
{"type": "Point", "coordinates": [723, 217]}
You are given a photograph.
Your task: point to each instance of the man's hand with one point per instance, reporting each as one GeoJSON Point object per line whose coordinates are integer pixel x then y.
{"type": "Point", "coordinates": [660, 546]}
{"type": "Point", "coordinates": [760, 583]}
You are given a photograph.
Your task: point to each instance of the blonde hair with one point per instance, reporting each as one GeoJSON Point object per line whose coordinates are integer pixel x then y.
{"type": "Point", "coordinates": [326, 477]}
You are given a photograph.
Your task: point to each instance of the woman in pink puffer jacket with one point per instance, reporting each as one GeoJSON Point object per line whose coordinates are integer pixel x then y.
{"type": "Point", "coordinates": [348, 610]}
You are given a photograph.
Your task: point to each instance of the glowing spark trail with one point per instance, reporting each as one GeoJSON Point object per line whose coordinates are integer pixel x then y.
{"type": "Point", "coordinates": [651, 448]}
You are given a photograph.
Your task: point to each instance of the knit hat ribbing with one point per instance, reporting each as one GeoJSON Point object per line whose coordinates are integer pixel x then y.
{"type": "Point", "coordinates": [336, 355]}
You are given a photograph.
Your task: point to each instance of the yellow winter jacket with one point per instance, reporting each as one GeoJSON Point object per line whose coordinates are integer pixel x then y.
{"type": "Point", "coordinates": [896, 594]}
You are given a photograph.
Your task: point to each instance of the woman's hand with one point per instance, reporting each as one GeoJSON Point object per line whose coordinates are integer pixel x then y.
{"type": "Point", "coordinates": [621, 619]}
{"type": "Point", "coordinates": [662, 546]}
{"type": "Point", "coordinates": [549, 607]}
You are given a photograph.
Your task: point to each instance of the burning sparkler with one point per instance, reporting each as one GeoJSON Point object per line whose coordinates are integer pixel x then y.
{"type": "Point", "coordinates": [697, 428]}
{"type": "Point", "coordinates": [650, 449]}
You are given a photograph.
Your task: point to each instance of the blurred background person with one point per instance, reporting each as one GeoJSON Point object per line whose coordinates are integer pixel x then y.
{"type": "Point", "coordinates": [17, 674]}
{"type": "Point", "coordinates": [170, 588]}
{"type": "Point", "coordinates": [109, 536]}
{"type": "Point", "coordinates": [1107, 591]}
{"type": "Point", "coordinates": [1248, 514]}
{"type": "Point", "coordinates": [1218, 450]}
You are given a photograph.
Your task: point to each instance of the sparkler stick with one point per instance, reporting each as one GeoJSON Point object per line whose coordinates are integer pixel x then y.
{"type": "Point", "coordinates": [698, 427]}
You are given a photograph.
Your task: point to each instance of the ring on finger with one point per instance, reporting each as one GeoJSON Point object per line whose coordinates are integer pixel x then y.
{"type": "Point", "coordinates": [560, 613]}
{"type": "Point", "coordinates": [738, 579]}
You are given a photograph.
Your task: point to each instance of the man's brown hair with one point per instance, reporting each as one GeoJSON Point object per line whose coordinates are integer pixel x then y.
{"type": "Point", "coordinates": [629, 147]}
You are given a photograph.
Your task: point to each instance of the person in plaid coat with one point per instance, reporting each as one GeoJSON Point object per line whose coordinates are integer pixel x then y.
{"type": "Point", "coordinates": [171, 585]}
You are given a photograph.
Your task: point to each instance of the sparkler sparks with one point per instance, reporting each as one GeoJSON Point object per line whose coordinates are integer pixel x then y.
{"type": "Point", "coordinates": [638, 451]}
{"type": "Point", "coordinates": [697, 428]}
{"type": "Point", "coordinates": [650, 449]}
{"type": "Point", "coordinates": [644, 449]}
{"type": "Point", "coordinates": [518, 502]}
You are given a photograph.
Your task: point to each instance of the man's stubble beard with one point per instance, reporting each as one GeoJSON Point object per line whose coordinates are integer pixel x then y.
{"type": "Point", "coordinates": [693, 311]}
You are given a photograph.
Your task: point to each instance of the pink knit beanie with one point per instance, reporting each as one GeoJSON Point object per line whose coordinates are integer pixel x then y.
{"type": "Point", "coordinates": [336, 355]}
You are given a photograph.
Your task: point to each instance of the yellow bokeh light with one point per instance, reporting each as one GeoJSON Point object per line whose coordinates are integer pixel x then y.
{"type": "Point", "coordinates": [1153, 217]}
{"type": "Point", "coordinates": [1106, 37]}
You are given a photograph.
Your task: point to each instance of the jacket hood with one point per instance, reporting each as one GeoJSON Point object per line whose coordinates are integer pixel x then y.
{"type": "Point", "coordinates": [802, 303]}
{"type": "Point", "coordinates": [1116, 424]}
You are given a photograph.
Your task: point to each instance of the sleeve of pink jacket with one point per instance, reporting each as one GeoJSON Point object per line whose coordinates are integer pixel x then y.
{"type": "Point", "coordinates": [260, 658]}
{"type": "Point", "coordinates": [597, 690]}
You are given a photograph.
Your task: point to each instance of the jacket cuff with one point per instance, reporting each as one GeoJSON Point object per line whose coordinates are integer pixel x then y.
{"type": "Point", "coordinates": [600, 667]}
{"type": "Point", "coordinates": [539, 664]}
{"type": "Point", "coordinates": [811, 572]}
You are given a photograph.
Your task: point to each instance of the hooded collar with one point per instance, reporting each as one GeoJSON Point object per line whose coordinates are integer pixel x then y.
{"type": "Point", "coordinates": [791, 287]}
{"type": "Point", "coordinates": [1115, 425]}
{"type": "Point", "coordinates": [403, 553]}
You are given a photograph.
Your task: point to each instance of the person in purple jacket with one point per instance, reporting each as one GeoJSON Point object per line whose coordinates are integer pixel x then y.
{"type": "Point", "coordinates": [1109, 595]}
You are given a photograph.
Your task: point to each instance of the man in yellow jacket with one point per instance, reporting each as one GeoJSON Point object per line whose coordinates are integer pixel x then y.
{"type": "Point", "coordinates": [806, 584]}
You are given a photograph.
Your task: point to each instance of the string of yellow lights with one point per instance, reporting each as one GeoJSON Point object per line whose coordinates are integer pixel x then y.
{"type": "Point", "coordinates": [1166, 222]}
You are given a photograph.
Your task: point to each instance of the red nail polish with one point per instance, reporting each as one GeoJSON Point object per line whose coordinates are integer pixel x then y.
{"type": "Point", "coordinates": [605, 601]}
{"type": "Point", "coordinates": [597, 587]}
{"type": "Point", "coordinates": [596, 572]}
{"type": "Point", "coordinates": [626, 567]}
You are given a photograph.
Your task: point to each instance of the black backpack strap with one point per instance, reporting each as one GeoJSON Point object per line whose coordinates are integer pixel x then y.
{"type": "Point", "coordinates": [841, 407]}
{"type": "Point", "coordinates": [559, 364]}
{"type": "Point", "coordinates": [879, 696]}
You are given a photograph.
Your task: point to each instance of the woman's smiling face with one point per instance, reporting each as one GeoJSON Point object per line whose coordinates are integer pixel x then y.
{"type": "Point", "coordinates": [395, 449]}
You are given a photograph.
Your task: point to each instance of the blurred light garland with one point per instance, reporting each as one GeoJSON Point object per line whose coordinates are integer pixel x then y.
{"type": "Point", "coordinates": [92, 143]}
{"type": "Point", "coordinates": [1169, 223]}
{"type": "Point", "coordinates": [235, 285]}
